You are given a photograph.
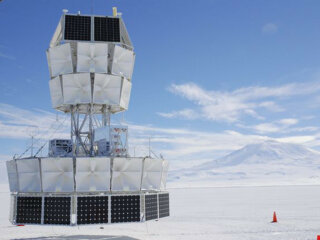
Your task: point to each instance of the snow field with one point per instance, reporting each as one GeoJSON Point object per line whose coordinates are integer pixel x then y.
{"type": "Point", "coordinates": [204, 213]}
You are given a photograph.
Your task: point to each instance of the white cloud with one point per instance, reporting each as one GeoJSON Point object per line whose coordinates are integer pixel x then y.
{"type": "Point", "coordinates": [288, 121]}
{"type": "Point", "coordinates": [269, 28]}
{"type": "Point", "coordinates": [271, 106]}
{"type": "Point", "coordinates": [266, 128]}
{"type": "Point", "coordinates": [3, 55]}
{"type": "Point", "coordinates": [185, 113]}
{"type": "Point", "coordinates": [188, 147]}
{"type": "Point", "coordinates": [231, 106]}
{"type": "Point", "coordinates": [279, 126]}
{"type": "Point", "coordinates": [298, 139]}
{"type": "Point", "coordinates": [16, 123]}
{"type": "Point", "coordinates": [183, 147]}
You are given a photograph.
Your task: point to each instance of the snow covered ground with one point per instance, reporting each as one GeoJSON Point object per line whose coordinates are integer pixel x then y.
{"type": "Point", "coordinates": [202, 213]}
{"type": "Point", "coordinates": [229, 198]}
{"type": "Point", "coordinates": [267, 163]}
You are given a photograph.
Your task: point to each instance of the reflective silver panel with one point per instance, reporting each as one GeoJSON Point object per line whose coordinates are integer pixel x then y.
{"type": "Point", "coordinates": [125, 94]}
{"type": "Point", "coordinates": [60, 60]}
{"type": "Point", "coordinates": [165, 168]}
{"type": "Point", "coordinates": [107, 89]}
{"type": "Point", "coordinates": [126, 174]}
{"type": "Point", "coordinates": [152, 172]}
{"type": "Point", "coordinates": [93, 174]}
{"type": "Point", "coordinates": [92, 57]}
{"type": "Point", "coordinates": [76, 88]}
{"type": "Point", "coordinates": [12, 176]}
{"type": "Point", "coordinates": [29, 175]}
{"type": "Point", "coordinates": [57, 174]}
{"type": "Point", "coordinates": [123, 62]}
{"type": "Point", "coordinates": [56, 92]}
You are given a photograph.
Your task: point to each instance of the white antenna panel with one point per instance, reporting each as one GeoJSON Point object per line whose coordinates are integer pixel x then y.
{"type": "Point", "coordinates": [107, 89]}
{"type": "Point", "coordinates": [76, 88]}
{"type": "Point", "coordinates": [92, 57]}
{"type": "Point", "coordinates": [125, 94]}
{"type": "Point", "coordinates": [29, 175]}
{"type": "Point", "coordinates": [60, 60]}
{"type": "Point", "coordinates": [165, 168]}
{"type": "Point", "coordinates": [57, 174]}
{"type": "Point", "coordinates": [152, 171]}
{"type": "Point", "coordinates": [12, 176]}
{"type": "Point", "coordinates": [56, 92]}
{"type": "Point", "coordinates": [123, 62]}
{"type": "Point", "coordinates": [126, 174]}
{"type": "Point", "coordinates": [93, 174]}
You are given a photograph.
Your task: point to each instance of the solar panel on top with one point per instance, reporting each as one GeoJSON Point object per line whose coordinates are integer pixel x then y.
{"type": "Point", "coordinates": [106, 29]}
{"type": "Point", "coordinates": [77, 28]}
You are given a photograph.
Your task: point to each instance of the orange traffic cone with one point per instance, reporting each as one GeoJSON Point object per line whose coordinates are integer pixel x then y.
{"type": "Point", "coordinates": [274, 218]}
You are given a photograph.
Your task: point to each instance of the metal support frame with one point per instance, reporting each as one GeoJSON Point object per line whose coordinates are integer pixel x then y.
{"type": "Point", "coordinates": [82, 129]}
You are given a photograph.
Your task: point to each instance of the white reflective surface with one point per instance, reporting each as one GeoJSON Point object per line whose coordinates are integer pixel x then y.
{"type": "Point", "coordinates": [126, 174]}
{"type": "Point", "coordinates": [76, 88]}
{"type": "Point", "coordinates": [93, 174]}
{"type": "Point", "coordinates": [56, 92]}
{"type": "Point", "coordinates": [29, 175]}
{"type": "Point", "coordinates": [125, 94]}
{"type": "Point", "coordinates": [123, 62]}
{"type": "Point", "coordinates": [107, 89]}
{"type": "Point", "coordinates": [57, 174]}
{"type": "Point", "coordinates": [92, 57]}
{"type": "Point", "coordinates": [12, 176]}
{"type": "Point", "coordinates": [60, 60]}
{"type": "Point", "coordinates": [165, 168]}
{"type": "Point", "coordinates": [152, 173]}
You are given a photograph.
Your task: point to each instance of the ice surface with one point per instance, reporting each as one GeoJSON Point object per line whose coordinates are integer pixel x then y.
{"type": "Point", "coordinates": [231, 213]}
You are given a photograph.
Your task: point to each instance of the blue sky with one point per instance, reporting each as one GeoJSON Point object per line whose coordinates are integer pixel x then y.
{"type": "Point", "coordinates": [210, 76]}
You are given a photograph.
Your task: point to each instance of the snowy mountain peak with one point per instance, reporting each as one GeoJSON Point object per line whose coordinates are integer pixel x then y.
{"type": "Point", "coordinates": [267, 152]}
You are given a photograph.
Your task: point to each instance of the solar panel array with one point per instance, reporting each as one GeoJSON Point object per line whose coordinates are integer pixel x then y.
{"type": "Point", "coordinates": [77, 28]}
{"type": "Point", "coordinates": [29, 210]}
{"type": "Point", "coordinates": [106, 29]}
{"type": "Point", "coordinates": [151, 206]}
{"type": "Point", "coordinates": [164, 205]}
{"type": "Point", "coordinates": [57, 210]}
{"type": "Point", "coordinates": [91, 210]}
{"type": "Point", "coordinates": [125, 208]}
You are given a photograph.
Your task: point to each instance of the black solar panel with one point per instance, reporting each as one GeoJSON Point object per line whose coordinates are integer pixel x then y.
{"type": "Point", "coordinates": [125, 208]}
{"type": "Point", "coordinates": [29, 210]}
{"type": "Point", "coordinates": [92, 210]}
{"type": "Point", "coordinates": [57, 210]}
{"type": "Point", "coordinates": [151, 206]}
{"type": "Point", "coordinates": [106, 29]}
{"type": "Point", "coordinates": [164, 205]}
{"type": "Point", "coordinates": [77, 28]}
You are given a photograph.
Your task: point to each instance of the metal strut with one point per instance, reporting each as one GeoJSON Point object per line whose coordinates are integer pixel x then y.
{"type": "Point", "coordinates": [82, 129]}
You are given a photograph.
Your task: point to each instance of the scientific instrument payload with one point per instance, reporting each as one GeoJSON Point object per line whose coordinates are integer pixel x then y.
{"type": "Point", "coordinates": [89, 178]}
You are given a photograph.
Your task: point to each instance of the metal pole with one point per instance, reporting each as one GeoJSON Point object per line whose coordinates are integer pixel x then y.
{"type": "Point", "coordinates": [72, 131]}
{"type": "Point", "coordinates": [31, 146]}
{"type": "Point", "coordinates": [149, 147]}
{"type": "Point", "coordinates": [104, 116]}
{"type": "Point", "coordinates": [91, 131]}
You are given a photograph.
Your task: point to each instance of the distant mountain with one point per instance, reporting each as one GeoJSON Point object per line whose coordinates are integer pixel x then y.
{"type": "Point", "coordinates": [265, 153]}
{"type": "Point", "coordinates": [266, 163]}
